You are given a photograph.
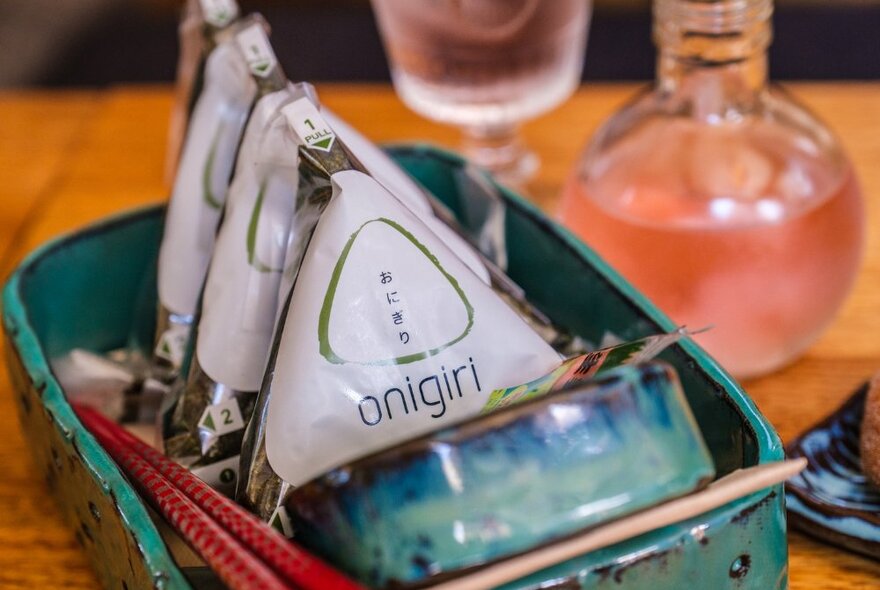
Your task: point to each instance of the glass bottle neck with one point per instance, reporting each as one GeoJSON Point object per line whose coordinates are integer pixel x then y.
{"type": "Point", "coordinates": [713, 53]}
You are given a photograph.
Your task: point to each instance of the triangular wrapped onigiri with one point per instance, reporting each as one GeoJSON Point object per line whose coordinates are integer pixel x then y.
{"type": "Point", "coordinates": [392, 335]}
{"type": "Point", "coordinates": [386, 334]}
{"type": "Point", "coordinates": [198, 195]}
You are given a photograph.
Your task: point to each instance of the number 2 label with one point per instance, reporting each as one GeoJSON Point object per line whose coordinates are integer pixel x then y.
{"type": "Point", "coordinates": [222, 418]}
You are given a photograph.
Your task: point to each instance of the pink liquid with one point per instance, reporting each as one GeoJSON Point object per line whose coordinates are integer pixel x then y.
{"type": "Point", "coordinates": [769, 277]}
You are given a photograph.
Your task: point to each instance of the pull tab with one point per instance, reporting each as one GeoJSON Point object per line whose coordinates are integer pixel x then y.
{"type": "Point", "coordinates": [309, 125]}
{"type": "Point", "coordinates": [319, 149]}
{"type": "Point", "coordinates": [219, 13]}
{"type": "Point", "coordinates": [258, 53]}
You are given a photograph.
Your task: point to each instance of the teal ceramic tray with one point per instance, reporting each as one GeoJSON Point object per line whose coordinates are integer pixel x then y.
{"type": "Point", "coordinates": [85, 290]}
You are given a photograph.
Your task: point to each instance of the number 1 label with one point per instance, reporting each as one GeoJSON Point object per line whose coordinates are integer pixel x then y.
{"type": "Point", "coordinates": [308, 124]}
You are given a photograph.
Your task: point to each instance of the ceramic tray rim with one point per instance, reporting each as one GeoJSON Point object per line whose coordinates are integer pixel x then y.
{"type": "Point", "coordinates": [25, 344]}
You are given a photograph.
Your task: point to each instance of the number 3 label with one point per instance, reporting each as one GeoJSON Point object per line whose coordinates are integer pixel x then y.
{"type": "Point", "coordinates": [222, 418]}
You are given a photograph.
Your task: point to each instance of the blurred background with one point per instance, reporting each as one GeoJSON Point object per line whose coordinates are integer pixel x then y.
{"type": "Point", "coordinates": [58, 43]}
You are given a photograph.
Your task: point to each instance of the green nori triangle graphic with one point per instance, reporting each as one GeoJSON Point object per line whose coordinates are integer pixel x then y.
{"type": "Point", "coordinates": [324, 320]}
{"type": "Point", "coordinates": [324, 143]}
{"type": "Point", "coordinates": [208, 422]}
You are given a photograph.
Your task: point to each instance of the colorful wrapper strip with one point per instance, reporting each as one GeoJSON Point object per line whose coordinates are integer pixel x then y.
{"type": "Point", "coordinates": [240, 548]}
{"type": "Point", "coordinates": [583, 367]}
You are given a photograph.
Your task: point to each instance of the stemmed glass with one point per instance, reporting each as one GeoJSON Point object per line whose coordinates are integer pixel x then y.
{"type": "Point", "coordinates": [486, 66]}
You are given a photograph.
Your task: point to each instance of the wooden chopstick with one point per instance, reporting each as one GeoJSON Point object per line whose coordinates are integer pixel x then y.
{"type": "Point", "coordinates": [730, 487]}
{"type": "Point", "coordinates": [291, 562]}
{"type": "Point", "coordinates": [237, 567]}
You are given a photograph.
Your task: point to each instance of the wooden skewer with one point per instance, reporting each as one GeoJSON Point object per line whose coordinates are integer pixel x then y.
{"type": "Point", "coordinates": [737, 484]}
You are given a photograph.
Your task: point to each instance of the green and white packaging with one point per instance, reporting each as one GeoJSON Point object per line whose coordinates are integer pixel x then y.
{"type": "Point", "coordinates": [399, 183]}
{"type": "Point", "coordinates": [238, 304]}
{"type": "Point", "coordinates": [200, 21]}
{"type": "Point", "coordinates": [235, 331]}
{"type": "Point", "coordinates": [204, 418]}
{"type": "Point", "coordinates": [387, 333]}
{"type": "Point", "coordinates": [199, 193]}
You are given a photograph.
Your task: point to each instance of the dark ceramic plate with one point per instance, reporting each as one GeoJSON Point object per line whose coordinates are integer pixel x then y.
{"type": "Point", "coordinates": [832, 499]}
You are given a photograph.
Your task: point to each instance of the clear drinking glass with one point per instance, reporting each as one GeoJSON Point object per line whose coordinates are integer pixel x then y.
{"type": "Point", "coordinates": [485, 66]}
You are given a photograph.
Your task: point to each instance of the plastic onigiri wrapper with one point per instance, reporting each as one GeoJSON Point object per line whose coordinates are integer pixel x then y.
{"type": "Point", "coordinates": [238, 304]}
{"type": "Point", "coordinates": [200, 21]}
{"type": "Point", "coordinates": [386, 333]}
{"type": "Point", "coordinates": [198, 195]}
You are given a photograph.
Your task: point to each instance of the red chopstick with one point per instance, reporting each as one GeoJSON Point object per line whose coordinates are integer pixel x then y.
{"type": "Point", "coordinates": [235, 565]}
{"type": "Point", "coordinates": [294, 564]}
{"type": "Point", "coordinates": [290, 561]}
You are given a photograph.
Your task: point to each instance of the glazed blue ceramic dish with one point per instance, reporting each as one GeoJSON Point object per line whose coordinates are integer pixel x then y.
{"type": "Point", "coordinates": [832, 498]}
{"type": "Point", "coordinates": [507, 482]}
{"type": "Point", "coordinates": [91, 288]}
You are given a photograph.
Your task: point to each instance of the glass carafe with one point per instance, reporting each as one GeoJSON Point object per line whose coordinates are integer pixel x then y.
{"type": "Point", "coordinates": [719, 196]}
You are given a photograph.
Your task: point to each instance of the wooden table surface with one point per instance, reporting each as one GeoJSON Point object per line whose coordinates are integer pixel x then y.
{"type": "Point", "coordinates": [67, 158]}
